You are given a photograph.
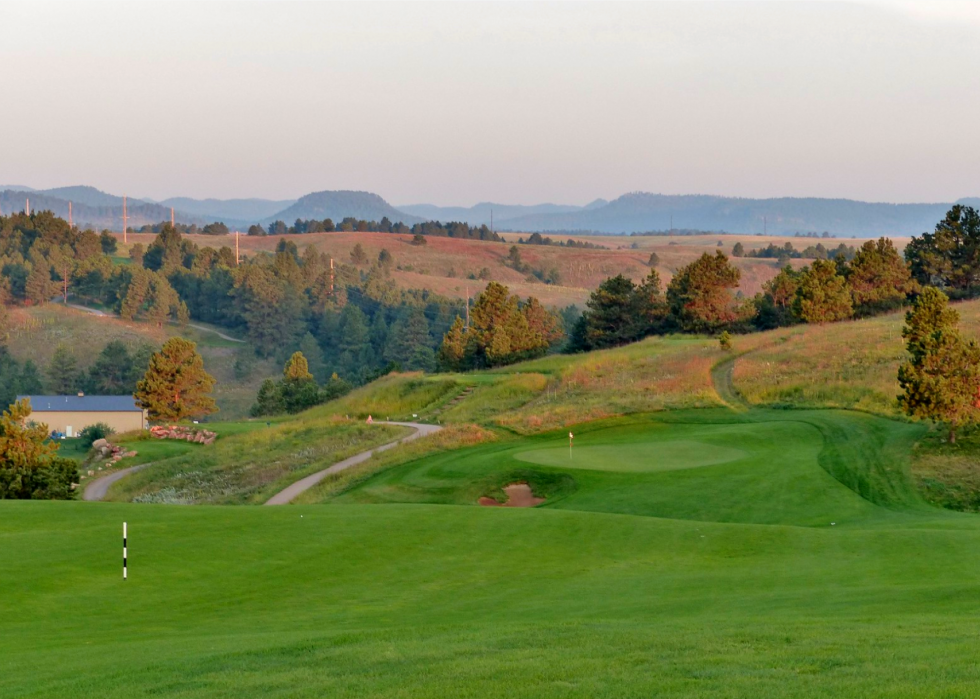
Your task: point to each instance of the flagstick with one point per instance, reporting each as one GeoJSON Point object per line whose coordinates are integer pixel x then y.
{"type": "Point", "coordinates": [124, 550]}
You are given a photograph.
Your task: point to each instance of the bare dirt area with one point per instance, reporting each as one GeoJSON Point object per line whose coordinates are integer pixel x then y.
{"type": "Point", "coordinates": [518, 495]}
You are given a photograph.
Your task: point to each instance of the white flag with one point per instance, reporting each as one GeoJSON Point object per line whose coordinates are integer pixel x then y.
{"type": "Point", "coordinates": [570, 435]}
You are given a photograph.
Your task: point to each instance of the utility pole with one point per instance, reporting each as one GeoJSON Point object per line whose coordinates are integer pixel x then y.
{"type": "Point", "coordinates": [172, 217]}
{"type": "Point", "coordinates": [125, 220]}
{"type": "Point", "coordinates": [467, 307]}
{"type": "Point", "coordinates": [64, 275]}
{"type": "Point", "coordinates": [672, 224]}
{"type": "Point", "coordinates": [765, 226]}
{"type": "Point", "coordinates": [491, 223]}
{"type": "Point", "coordinates": [238, 257]}
{"type": "Point", "coordinates": [70, 225]}
{"type": "Point", "coordinates": [331, 276]}
{"type": "Point", "coordinates": [27, 206]}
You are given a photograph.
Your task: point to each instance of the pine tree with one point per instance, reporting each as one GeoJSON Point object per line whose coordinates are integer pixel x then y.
{"type": "Point", "coordinates": [822, 295]}
{"type": "Point", "coordinates": [39, 288]}
{"type": "Point", "coordinates": [269, 400]}
{"type": "Point", "coordinates": [111, 373]}
{"type": "Point", "coordinates": [452, 352]}
{"type": "Point", "coordinates": [941, 378]}
{"type": "Point", "coordinates": [879, 279]}
{"type": "Point", "coordinates": [314, 356]}
{"type": "Point", "coordinates": [29, 382]}
{"type": "Point", "coordinates": [137, 295]}
{"type": "Point", "coordinates": [63, 374]}
{"type": "Point", "coordinates": [701, 296]}
{"type": "Point", "coordinates": [175, 385]}
{"type": "Point", "coordinates": [357, 255]}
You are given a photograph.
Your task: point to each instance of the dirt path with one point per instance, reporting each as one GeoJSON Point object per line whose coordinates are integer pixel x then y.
{"type": "Point", "coordinates": [289, 493]}
{"type": "Point", "coordinates": [103, 314]}
{"type": "Point", "coordinates": [96, 490]}
{"type": "Point", "coordinates": [721, 377]}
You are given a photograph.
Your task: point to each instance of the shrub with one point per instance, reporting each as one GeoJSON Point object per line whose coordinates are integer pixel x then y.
{"type": "Point", "coordinates": [90, 434]}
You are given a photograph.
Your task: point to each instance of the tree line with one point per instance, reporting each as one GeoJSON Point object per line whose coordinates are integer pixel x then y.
{"type": "Point", "coordinates": [452, 229]}
{"type": "Point", "coordinates": [538, 239]}
{"type": "Point", "coordinates": [786, 252]}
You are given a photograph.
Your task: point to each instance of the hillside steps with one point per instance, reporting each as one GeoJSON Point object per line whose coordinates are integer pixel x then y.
{"type": "Point", "coordinates": [460, 397]}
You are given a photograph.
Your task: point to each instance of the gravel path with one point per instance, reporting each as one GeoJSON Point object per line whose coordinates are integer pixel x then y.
{"type": "Point", "coordinates": [97, 489]}
{"type": "Point", "coordinates": [103, 314]}
{"type": "Point", "coordinates": [288, 494]}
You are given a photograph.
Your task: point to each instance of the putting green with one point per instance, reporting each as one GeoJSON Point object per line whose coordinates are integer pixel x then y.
{"type": "Point", "coordinates": [637, 457]}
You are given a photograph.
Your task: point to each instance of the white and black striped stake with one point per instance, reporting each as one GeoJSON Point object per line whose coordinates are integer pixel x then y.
{"type": "Point", "coordinates": [124, 550]}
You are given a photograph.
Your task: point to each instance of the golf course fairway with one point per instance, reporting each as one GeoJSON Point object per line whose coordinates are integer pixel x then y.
{"type": "Point", "coordinates": [795, 560]}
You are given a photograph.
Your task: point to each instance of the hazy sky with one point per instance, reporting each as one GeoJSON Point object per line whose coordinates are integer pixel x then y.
{"type": "Point", "coordinates": [510, 102]}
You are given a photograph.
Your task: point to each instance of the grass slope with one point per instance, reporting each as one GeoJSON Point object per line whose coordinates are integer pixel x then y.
{"type": "Point", "coordinates": [36, 332]}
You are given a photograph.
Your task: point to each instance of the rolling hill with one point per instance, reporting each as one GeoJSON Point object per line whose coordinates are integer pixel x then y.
{"type": "Point", "coordinates": [337, 205]}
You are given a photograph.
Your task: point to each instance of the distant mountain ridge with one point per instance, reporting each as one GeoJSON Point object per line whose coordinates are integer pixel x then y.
{"type": "Point", "coordinates": [642, 211]}
{"type": "Point", "coordinates": [633, 212]}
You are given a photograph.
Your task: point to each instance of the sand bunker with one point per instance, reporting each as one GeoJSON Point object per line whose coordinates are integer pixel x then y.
{"type": "Point", "coordinates": [518, 495]}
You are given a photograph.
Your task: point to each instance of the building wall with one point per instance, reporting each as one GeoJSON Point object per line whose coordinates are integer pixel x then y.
{"type": "Point", "coordinates": [60, 421]}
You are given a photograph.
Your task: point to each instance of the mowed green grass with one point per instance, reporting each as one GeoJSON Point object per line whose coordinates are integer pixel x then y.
{"type": "Point", "coordinates": [763, 575]}
{"type": "Point", "coordinates": [788, 467]}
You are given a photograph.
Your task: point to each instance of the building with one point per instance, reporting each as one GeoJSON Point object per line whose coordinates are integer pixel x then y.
{"type": "Point", "coordinates": [72, 414]}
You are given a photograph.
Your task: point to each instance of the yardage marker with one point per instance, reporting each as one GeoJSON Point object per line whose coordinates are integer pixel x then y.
{"type": "Point", "coordinates": [124, 550]}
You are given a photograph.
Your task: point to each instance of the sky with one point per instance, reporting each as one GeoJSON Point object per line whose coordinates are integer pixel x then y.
{"type": "Point", "coordinates": [456, 103]}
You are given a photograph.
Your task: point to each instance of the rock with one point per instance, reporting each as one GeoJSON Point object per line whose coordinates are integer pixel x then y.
{"type": "Point", "coordinates": [99, 443]}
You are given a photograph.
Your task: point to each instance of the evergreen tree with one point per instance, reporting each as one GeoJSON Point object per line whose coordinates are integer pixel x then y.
{"type": "Point", "coordinates": [941, 378]}
{"type": "Point", "coordinates": [822, 295]}
{"type": "Point", "coordinates": [314, 356]}
{"type": "Point", "coordinates": [30, 379]}
{"type": "Point", "coordinates": [175, 385]}
{"type": "Point", "coordinates": [39, 288]}
{"type": "Point", "coordinates": [269, 400]}
{"type": "Point", "coordinates": [701, 296]}
{"type": "Point", "coordinates": [409, 335]}
{"type": "Point", "coordinates": [649, 306]}
{"type": "Point", "coordinates": [354, 342]}
{"type": "Point", "coordinates": [136, 254]}
{"type": "Point", "coordinates": [136, 296]}
{"type": "Point", "coordinates": [357, 255]}
{"type": "Point", "coordinates": [774, 306]}
{"type": "Point", "coordinates": [299, 389]}
{"type": "Point", "coordinates": [63, 374]}
{"type": "Point", "coordinates": [879, 279]}
{"type": "Point", "coordinates": [609, 319]}
{"type": "Point", "coordinates": [108, 243]}
{"type": "Point", "coordinates": [452, 352]}
{"type": "Point", "coordinates": [112, 372]}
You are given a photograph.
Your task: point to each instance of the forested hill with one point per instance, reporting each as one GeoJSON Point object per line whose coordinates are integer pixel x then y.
{"type": "Point", "coordinates": [337, 205]}
{"type": "Point", "coordinates": [641, 211]}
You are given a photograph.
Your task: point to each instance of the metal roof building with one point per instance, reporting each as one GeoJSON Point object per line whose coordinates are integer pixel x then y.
{"type": "Point", "coordinates": [72, 414]}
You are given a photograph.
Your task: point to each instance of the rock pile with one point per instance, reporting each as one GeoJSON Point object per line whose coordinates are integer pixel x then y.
{"type": "Point", "coordinates": [184, 433]}
{"type": "Point", "coordinates": [106, 450]}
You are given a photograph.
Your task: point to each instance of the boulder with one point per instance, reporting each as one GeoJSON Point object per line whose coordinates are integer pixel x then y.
{"type": "Point", "coordinates": [99, 443]}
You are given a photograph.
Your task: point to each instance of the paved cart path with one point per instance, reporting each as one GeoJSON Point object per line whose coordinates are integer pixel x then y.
{"type": "Point", "coordinates": [289, 493]}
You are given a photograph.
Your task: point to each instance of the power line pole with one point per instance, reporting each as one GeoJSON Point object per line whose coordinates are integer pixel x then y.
{"type": "Point", "coordinates": [27, 206]}
{"type": "Point", "coordinates": [331, 276]}
{"type": "Point", "coordinates": [70, 224]}
{"type": "Point", "coordinates": [238, 257]}
{"type": "Point", "coordinates": [125, 220]}
{"type": "Point", "coordinates": [172, 217]}
{"type": "Point", "coordinates": [467, 307]}
{"type": "Point", "coordinates": [765, 226]}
